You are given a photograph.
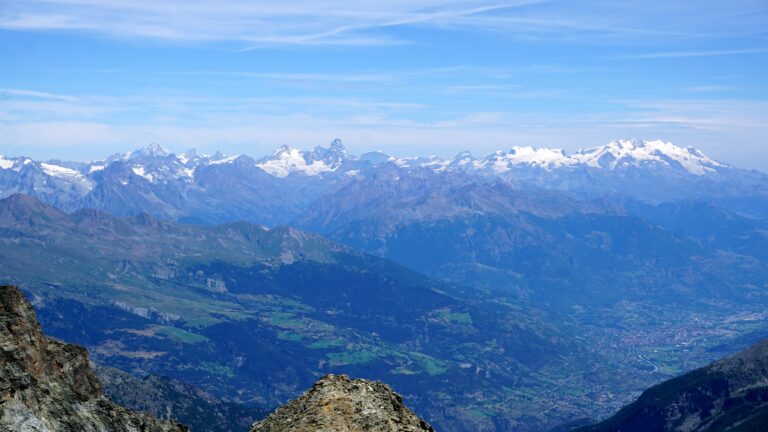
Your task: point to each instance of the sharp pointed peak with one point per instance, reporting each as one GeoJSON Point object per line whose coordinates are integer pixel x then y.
{"type": "Point", "coordinates": [337, 143]}
{"type": "Point", "coordinates": [152, 150]}
{"type": "Point", "coordinates": [156, 148]}
{"type": "Point", "coordinates": [283, 149]}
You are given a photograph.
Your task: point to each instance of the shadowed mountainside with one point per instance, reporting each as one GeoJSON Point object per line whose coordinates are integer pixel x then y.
{"type": "Point", "coordinates": [728, 395]}
{"type": "Point", "coordinates": [167, 398]}
{"type": "Point", "coordinates": [47, 385]}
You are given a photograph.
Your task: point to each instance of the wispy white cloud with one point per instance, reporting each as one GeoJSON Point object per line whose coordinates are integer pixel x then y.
{"type": "Point", "coordinates": [257, 125]}
{"type": "Point", "coordinates": [707, 89]}
{"type": "Point", "coordinates": [261, 23]}
{"type": "Point", "coordinates": [696, 53]}
{"type": "Point", "coordinates": [255, 24]}
{"type": "Point", "coordinates": [347, 78]}
{"type": "Point", "coordinates": [6, 93]}
{"type": "Point", "coordinates": [483, 88]}
{"type": "Point", "coordinates": [491, 74]}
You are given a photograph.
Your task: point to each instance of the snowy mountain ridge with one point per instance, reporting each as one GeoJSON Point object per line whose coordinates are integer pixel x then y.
{"type": "Point", "coordinates": [616, 155]}
{"type": "Point", "coordinates": [286, 160]}
{"type": "Point", "coordinates": [199, 188]}
{"type": "Point", "coordinates": [155, 163]}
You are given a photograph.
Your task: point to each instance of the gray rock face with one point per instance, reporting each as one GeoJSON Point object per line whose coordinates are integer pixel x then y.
{"type": "Point", "coordinates": [47, 385]}
{"type": "Point", "coordinates": [338, 404]}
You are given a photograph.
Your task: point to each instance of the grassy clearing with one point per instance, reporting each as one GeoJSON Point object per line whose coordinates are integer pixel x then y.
{"type": "Point", "coordinates": [351, 357]}
{"type": "Point", "coordinates": [326, 343]}
{"type": "Point", "coordinates": [285, 320]}
{"type": "Point", "coordinates": [450, 317]}
{"type": "Point", "coordinates": [293, 337]}
{"type": "Point", "coordinates": [180, 335]}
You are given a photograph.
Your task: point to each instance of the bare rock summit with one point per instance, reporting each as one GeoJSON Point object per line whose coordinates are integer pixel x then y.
{"type": "Point", "coordinates": [339, 404]}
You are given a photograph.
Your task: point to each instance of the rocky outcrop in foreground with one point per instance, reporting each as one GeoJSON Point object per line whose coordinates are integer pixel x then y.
{"type": "Point", "coordinates": [47, 385]}
{"type": "Point", "coordinates": [336, 404]}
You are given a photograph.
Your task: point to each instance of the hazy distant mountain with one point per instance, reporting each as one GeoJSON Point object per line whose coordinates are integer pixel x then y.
{"type": "Point", "coordinates": [540, 244]}
{"type": "Point", "coordinates": [276, 189]}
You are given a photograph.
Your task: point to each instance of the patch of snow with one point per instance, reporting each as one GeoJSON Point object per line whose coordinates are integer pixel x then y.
{"type": "Point", "coordinates": [225, 160]}
{"type": "Point", "coordinates": [5, 163]}
{"type": "Point", "coordinates": [190, 155]}
{"type": "Point", "coordinates": [500, 161]}
{"type": "Point", "coordinates": [462, 159]}
{"type": "Point", "coordinates": [352, 173]}
{"type": "Point", "coordinates": [543, 157]}
{"type": "Point", "coordinates": [139, 171]}
{"type": "Point", "coordinates": [58, 171]}
{"type": "Point", "coordinates": [401, 162]}
{"type": "Point", "coordinates": [434, 162]}
{"type": "Point", "coordinates": [95, 168]}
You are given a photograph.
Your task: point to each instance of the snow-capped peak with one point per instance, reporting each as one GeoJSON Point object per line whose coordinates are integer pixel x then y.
{"type": "Point", "coordinates": [191, 156]}
{"type": "Point", "coordinates": [156, 149]}
{"type": "Point", "coordinates": [152, 150]}
{"type": "Point", "coordinates": [287, 160]}
{"type": "Point", "coordinates": [462, 160]}
{"type": "Point", "coordinates": [625, 153]}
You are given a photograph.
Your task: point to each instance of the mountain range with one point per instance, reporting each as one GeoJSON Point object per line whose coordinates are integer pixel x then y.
{"type": "Point", "coordinates": [514, 291]}
{"type": "Point", "coordinates": [277, 189]}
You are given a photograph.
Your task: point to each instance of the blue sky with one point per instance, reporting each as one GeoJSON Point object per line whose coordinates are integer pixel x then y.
{"type": "Point", "coordinates": [80, 79]}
